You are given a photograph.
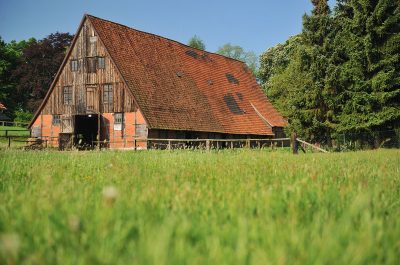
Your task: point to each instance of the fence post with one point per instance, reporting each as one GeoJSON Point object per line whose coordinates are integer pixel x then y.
{"type": "Point", "coordinates": [9, 142]}
{"type": "Point", "coordinates": [248, 143]}
{"type": "Point", "coordinates": [208, 145]}
{"type": "Point", "coordinates": [169, 145]}
{"type": "Point", "coordinates": [294, 143]}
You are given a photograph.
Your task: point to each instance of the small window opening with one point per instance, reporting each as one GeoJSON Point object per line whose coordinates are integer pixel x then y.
{"type": "Point", "coordinates": [101, 63]}
{"type": "Point", "coordinates": [107, 98]}
{"type": "Point", "coordinates": [93, 46]}
{"type": "Point", "coordinates": [232, 79]}
{"type": "Point", "coordinates": [67, 95]}
{"type": "Point", "coordinates": [56, 120]}
{"type": "Point", "coordinates": [118, 121]}
{"type": "Point", "coordinates": [74, 65]}
{"type": "Point", "coordinates": [232, 105]}
{"type": "Point", "coordinates": [192, 53]}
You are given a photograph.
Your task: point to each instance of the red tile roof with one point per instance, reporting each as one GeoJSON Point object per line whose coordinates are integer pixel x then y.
{"type": "Point", "coordinates": [181, 88]}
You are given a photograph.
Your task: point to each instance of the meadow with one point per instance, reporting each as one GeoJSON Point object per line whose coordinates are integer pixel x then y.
{"type": "Point", "coordinates": [18, 134]}
{"type": "Point", "coordinates": [194, 207]}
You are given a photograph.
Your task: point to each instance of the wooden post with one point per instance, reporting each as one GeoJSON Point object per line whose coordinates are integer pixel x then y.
{"type": "Point", "coordinates": [208, 145]}
{"type": "Point", "coordinates": [9, 142]}
{"type": "Point", "coordinates": [169, 144]}
{"type": "Point", "coordinates": [294, 144]}
{"type": "Point", "coordinates": [134, 142]}
{"type": "Point", "coordinates": [98, 130]}
{"type": "Point", "coordinates": [248, 143]}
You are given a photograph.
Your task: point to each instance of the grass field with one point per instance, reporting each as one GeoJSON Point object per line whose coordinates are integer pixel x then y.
{"type": "Point", "coordinates": [19, 135]}
{"type": "Point", "coordinates": [193, 207]}
{"type": "Point", "coordinates": [14, 131]}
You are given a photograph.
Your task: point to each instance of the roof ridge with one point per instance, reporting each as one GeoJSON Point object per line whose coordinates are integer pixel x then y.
{"type": "Point", "coordinates": [152, 34]}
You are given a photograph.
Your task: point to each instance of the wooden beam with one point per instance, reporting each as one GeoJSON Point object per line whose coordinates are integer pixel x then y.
{"type": "Point", "coordinates": [313, 146]}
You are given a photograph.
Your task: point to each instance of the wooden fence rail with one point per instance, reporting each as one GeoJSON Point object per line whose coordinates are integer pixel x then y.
{"type": "Point", "coordinates": [312, 146]}
{"type": "Point", "coordinates": [14, 123]}
{"type": "Point", "coordinates": [184, 143]}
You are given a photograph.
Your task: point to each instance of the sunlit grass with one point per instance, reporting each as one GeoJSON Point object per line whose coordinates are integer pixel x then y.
{"type": "Point", "coordinates": [192, 207]}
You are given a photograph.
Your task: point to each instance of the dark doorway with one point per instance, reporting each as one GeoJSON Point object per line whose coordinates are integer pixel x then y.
{"type": "Point", "coordinates": [86, 128]}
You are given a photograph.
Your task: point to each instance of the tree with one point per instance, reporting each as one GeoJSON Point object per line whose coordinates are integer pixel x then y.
{"type": "Point", "coordinates": [370, 68]}
{"type": "Point", "coordinates": [197, 43]}
{"type": "Point", "coordinates": [341, 74]}
{"type": "Point", "coordinates": [238, 53]}
{"type": "Point", "coordinates": [284, 80]}
{"type": "Point", "coordinates": [37, 67]}
{"type": "Point", "coordinates": [9, 56]}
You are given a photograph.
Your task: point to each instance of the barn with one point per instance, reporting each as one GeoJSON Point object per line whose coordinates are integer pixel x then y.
{"type": "Point", "coordinates": [119, 87]}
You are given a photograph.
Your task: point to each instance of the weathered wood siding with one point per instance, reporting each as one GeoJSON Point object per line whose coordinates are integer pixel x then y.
{"type": "Point", "coordinates": [87, 97]}
{"type": "Point", "coordinates": [88, 87]}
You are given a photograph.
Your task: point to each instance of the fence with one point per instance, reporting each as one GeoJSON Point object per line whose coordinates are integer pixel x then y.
{"type": "Point", "coordinates": [169, 144]}
{"type": "Point", "coordinates": [14, 123]}
{"type": "Point", "coordinates": [344, 142]}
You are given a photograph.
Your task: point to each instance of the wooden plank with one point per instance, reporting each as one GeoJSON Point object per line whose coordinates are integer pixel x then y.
{"type": "Point", "coordinates": [313, 146]}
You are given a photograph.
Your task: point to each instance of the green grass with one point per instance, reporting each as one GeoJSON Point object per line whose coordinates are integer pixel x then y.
{"type": "Point", "coordinates": [185, 207]}
{"type": "Point", "coordinates": [15, 131]}
{"type": "Point", "coordinates": [18, 135]}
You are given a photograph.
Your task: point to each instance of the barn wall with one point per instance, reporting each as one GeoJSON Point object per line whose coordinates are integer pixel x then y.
{"type": "Point", "coordinates": [83, 82]}
{"type": "Point", "coordinates": [124, 138]}
{"type": "Point", "coordinates": [87, 95]}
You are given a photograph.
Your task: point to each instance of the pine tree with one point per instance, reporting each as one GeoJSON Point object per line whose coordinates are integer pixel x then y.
{"type": "Point", "coordinates": [369, 70]}
{"type": "Point", "coordinates": [315, 116]}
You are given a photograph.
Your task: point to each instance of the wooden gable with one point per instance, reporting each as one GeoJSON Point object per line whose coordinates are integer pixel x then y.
{"type": "Point", "coordinates": [85, 73]}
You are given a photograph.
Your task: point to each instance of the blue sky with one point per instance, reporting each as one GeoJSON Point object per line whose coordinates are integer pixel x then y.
{"type": "Point", "coordinates": [253, 24]}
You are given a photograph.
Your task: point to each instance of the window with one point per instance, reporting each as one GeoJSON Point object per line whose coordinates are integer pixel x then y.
{"type": "Point", "coordinates": [141, 130]}
{"type": "Point", "coordinates": [67, 93]}
{"type": "Point", "coordinates": [232, 79]}
{"type": "Point", "coordinates": [93, 46]}
{"type": "Point", "coordinates": [91, 64]}
{"type": "Point", "coordinates": [36, 131]}
{"type": "Point", "coordinates": [74, 65]}
{"type": "Point", "coordinates": [118, 121]}
{"type": "Point", "coordinates": [66, 125]}
{"type": "Point", "coordinates": [101, 63]}
{"type": "Point", "coordinates": [56, 120]}
{"type": "Point", "coordinates": [107, 98]}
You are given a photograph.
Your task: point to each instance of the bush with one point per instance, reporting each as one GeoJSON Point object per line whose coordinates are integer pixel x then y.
{"type": "Point", "coordinates": [22, 116]}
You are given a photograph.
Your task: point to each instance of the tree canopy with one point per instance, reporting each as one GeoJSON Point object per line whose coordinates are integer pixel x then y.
{"type": "Point", "coordinates": [238, 53]}
{"type": "Point", "coordinates": [197, 43]}
{"type": "Point", "coordinates": [27, 69]}
{"type": "Point", "coordinates": [341, 74]}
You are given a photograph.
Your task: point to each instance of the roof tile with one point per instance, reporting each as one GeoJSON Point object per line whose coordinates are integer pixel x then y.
{"type": "Point", "coordinates": [181, 88]}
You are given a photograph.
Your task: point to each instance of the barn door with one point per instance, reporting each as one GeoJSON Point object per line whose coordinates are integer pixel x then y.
{"type": "Point", "coordinates": [66, 124]}
{"type": "Point", "coordinates": [90, 98]}
{"type": "Point", "coordinates": [65, 141]}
